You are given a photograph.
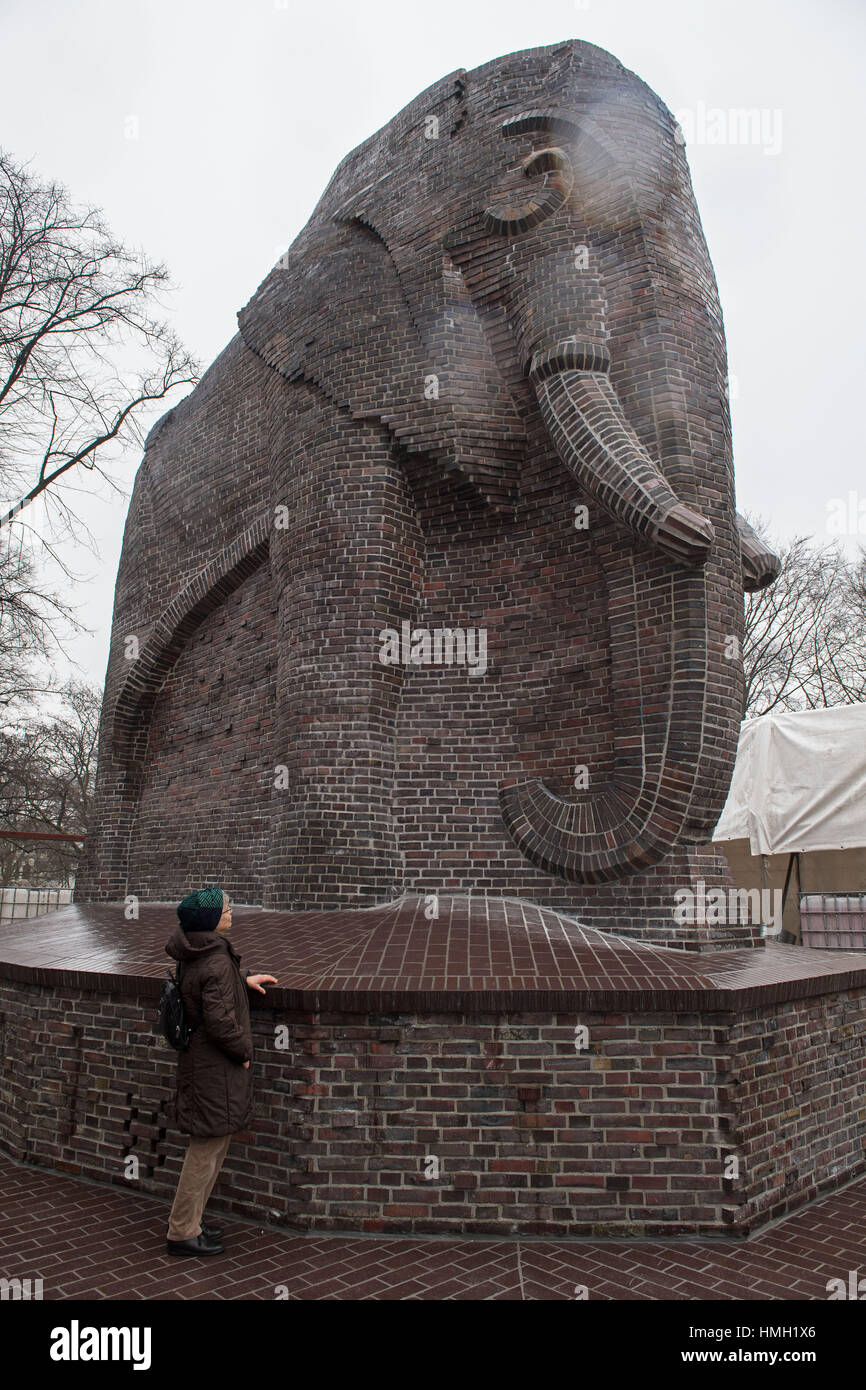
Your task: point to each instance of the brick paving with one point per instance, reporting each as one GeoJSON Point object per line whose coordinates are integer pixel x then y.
{"type": "Point", "coordinates": [88, 1241]}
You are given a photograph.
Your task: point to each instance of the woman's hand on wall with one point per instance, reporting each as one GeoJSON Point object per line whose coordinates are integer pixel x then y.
{"type": "Point", "coordinates": [257, 981]}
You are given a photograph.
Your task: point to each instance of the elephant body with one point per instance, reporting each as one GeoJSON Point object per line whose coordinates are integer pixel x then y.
{"type": "Point", "coordinates": [484, 390]}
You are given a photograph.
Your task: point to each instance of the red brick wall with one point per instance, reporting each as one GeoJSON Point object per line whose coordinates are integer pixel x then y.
{"type": "Point", "coordinates": [204, 812]}
{"type": "Point", "coordinates": [796, 1100]}
{"type": "Point", "coordinates": [456, 511]}
{"type": "Point", "coordinates": [202, 483]}
{"type": "Point", "coordinates": [627, 1138]}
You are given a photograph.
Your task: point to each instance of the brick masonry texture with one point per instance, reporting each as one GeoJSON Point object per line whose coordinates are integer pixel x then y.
{"type": "Point", "coordinates": [91, 1242]}
{"type": "Point", "coordinates": [502, 309]}
{"type": "Point", "coordinates": [485, 390]}
{"type": "Point", "coordinates": [630, 1139]}
{"type": "Point", "coordinates": [374, 1058]}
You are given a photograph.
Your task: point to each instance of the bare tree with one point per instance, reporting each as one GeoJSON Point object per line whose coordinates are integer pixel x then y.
{"type": "Point", "coordinates": [30, 619]}
{"type": "Point", "coordinates": [83, 349]}
{"type": "Point", "coordinates": [47, 770]}
{"type": "Point", "coordinates": [805, 636]}
{"type": "Point", "coordinates": [84, 352]}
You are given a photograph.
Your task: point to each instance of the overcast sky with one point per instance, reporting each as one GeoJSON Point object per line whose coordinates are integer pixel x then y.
{"type": "Point", "coordinates": [244, 107]}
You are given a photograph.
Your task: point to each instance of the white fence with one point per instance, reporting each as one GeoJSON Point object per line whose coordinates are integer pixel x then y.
{"type": "Point", "coordinates": [833, 922]}
{"type": "Point", "coordinates": [18, 903]}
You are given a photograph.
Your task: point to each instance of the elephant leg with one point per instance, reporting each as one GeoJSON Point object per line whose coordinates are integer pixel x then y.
{"type": "Point", "coordinates": [345, 565]}
{"type": "Point", "coordinates": [103, 870]}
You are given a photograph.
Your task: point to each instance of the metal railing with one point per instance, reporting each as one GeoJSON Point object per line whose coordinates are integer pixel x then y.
{"type": "Point", "coordinates": [18, 903]}
{"type": "Point", "coordinates": [833, 921]}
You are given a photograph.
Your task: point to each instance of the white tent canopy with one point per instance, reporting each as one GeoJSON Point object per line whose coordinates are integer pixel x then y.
{"type": "Point", "coordinates": [799, 782]}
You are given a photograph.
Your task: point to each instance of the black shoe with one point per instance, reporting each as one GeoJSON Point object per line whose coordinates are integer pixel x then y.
{"type": "Point", "coordinates": [210, 1233]}
{"type": "Point", "coordinates": [199, 1245]}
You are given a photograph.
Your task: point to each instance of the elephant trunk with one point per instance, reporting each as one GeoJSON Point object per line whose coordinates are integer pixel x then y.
{"type": "Point", "coordinates": [636, 818]}
{"type": "Point", "coordinates": [596, 443]}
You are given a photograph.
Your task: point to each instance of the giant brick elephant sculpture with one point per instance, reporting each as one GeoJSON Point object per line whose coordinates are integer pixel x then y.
{"type": "Point", "coordinates": [485, 388]}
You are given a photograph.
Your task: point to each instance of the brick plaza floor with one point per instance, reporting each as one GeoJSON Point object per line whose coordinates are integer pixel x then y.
{"type": "Point", "coordinates": [88, 1241]}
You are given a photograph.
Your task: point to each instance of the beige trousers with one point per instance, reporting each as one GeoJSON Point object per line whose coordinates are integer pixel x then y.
{"type": "Point", "coordinates": [200, 1170]}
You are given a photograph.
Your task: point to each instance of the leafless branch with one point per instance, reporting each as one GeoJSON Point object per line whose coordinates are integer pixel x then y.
{"type": "Point", "coordinates": [805, 636]}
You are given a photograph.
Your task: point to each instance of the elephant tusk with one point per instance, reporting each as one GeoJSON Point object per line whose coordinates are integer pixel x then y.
{"type": "Point", "coordinates": [595, 441]}
{"type": "Point", "coordinates": [760, 566]}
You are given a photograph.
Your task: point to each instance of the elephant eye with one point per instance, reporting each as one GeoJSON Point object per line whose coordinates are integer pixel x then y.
{"type": "Point", "coordinates": [558, 173]}
{"type": "Point", "coordinates": [552, 162]}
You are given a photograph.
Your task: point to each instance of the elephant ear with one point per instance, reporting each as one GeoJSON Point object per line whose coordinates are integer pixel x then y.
{"type": "Point", "coordinates": [334, 313]}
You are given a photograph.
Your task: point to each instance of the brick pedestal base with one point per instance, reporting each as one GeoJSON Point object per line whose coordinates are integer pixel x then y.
{"type": "Point", "coordinates": [495, 1069]}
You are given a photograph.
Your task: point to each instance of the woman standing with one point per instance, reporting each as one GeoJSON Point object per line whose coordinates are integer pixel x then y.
{"type": "Point", "coordinates": [214, 1081]}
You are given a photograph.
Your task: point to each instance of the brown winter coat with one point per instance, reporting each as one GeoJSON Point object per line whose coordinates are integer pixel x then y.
{"type": "Point", "coordinates": [214, 1089]}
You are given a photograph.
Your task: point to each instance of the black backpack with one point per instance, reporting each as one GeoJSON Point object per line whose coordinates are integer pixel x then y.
{"type": "Point", "coordinates": [173, 1023]}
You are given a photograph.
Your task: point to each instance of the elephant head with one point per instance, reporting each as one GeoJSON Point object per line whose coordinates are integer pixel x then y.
{"type": "Point", "coordinates": [516, 264]}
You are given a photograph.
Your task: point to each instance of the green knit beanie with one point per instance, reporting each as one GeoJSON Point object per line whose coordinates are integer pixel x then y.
{"type": "Point", "coordinates": [202, 910]}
